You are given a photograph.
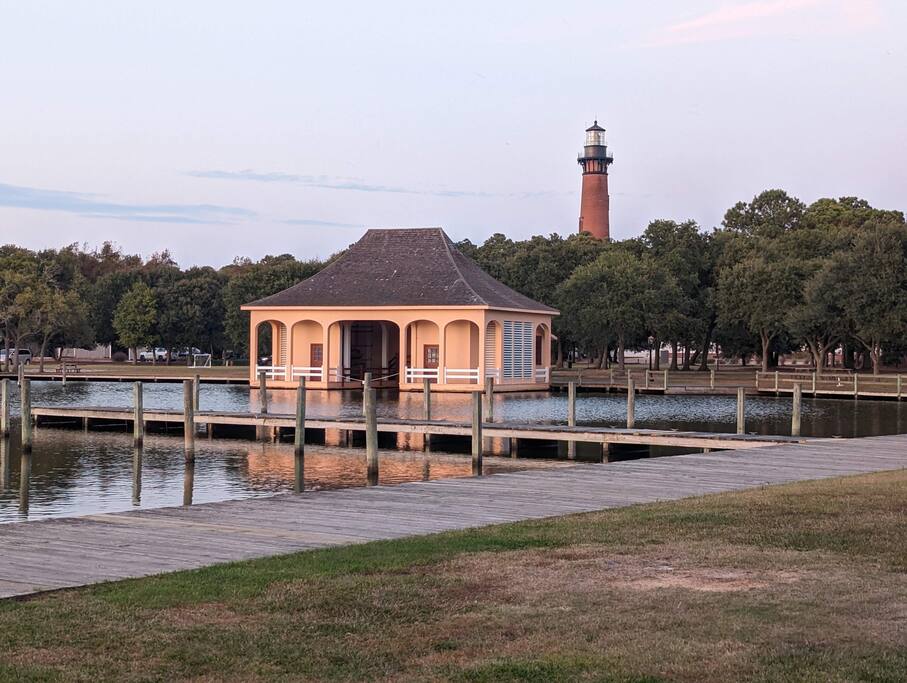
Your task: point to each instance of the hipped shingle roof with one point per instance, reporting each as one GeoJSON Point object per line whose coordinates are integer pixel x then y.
{"type": "Point", "coordinates": [403, 267]}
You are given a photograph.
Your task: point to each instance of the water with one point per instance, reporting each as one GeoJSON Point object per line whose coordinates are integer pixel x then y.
{"type": "Point", "coordinates": [76, 473]}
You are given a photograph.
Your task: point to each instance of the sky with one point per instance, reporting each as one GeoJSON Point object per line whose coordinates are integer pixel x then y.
{"type": "Point", "coordinates": [224, 129]}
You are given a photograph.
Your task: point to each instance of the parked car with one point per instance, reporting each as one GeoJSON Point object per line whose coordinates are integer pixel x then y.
{"type": "Point", "coordinates": [147, 355]}
{"type": "Point", "coordinates": [184, 353]}
{"type": "Point", "coordinates": [23, 355]}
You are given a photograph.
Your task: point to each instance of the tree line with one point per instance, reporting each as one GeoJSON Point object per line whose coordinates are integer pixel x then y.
{"type": "Point", "coordinates": [74, 297]}
{"type": "Point", "coordinates": [776, 276]}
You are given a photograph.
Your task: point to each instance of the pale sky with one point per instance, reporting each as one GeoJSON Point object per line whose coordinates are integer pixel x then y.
{"type": "Point", "coordinates": [217, 129]}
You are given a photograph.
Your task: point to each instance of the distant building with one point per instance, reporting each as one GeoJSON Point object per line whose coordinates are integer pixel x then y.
{"type": "Point", "coordinates": [405, 305]}
{"type": "Point", "coordinates": [595, 203]}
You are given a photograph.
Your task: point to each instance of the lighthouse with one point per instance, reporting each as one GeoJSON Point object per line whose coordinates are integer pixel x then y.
{"type": "Point", "coordinates": [594, 205]}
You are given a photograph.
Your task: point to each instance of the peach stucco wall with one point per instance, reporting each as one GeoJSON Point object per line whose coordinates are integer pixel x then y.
{"type": "Point", "coordinates": [458, 332]}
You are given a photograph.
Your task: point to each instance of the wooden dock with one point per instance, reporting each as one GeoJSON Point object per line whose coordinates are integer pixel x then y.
{"type": "Point", "coordinates": [60, 553]}
{"type": "Point", "coordinates": [45, 415]}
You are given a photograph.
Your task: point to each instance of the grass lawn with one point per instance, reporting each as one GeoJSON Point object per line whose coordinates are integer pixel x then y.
{"type": "Point", "coordinates": [805, 582]}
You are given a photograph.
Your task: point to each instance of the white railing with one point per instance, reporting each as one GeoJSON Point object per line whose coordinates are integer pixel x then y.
{"type": "Point", "coordinates": [459, 374]}
{"type": "Point", "coordinates": [272, 371]}
{"type": "Point", "coordinates": [336, 374]}
{"type": "Point", "coordinates": [541, 374]}
{"type": "Point", "coordinates": [309, 372]}
{"type": "Point", "coordinates": [411, 375]}
{"type": "Point", "coordinates": [493, 372]}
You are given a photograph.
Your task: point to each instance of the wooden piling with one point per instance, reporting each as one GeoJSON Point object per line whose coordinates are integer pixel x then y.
{"type": "Point", "coordinates": [299, 437]}
{"type": "Point", "coordinates": [665, 381]}
{"type": "Point", "coordinates": [24, 480]}
{"type": "Point", "coordinates": [20, 373]}
{"type": "Point", "coordinates": [4, 408]}
{"type": "Point", "coordinates": [26, 416]}
{"type": "Point", "coordinates": [371, 435]}
{"type": "Point", "coordinates": [631, 404]}
{"type": "Point", "coordinates": [741, 411]}
{"type": "Point", "coordinates": [263, 392]}
{"type": "Point", "coordinates": [196, 392]}
{"type": "Point", "coordinates": [426, 409]}
{"type": "Point", "coordinates": [856, 385]}
{"type": "Point", "coordinates": [138, 420]}
{"type": "Point", "coordinates": [712, 378]}
{"type": "Point", "coordinates": [489, 399]}
{"type": "Point", "coordinates": [777, 378]}
{"type": "Point", "coordinates": [62, 369]}
{"type": "Point", "coordinates": [796, 412]}
{"type": "Point", "coordinates": [366, 387]}
{"type": "Point", "coordinates": [477, 429]}
{"type": "Point", "coordinates": [4, 464]}
{"type": "Point", "coordinates": [571, 417]}
{"type": "Point", "coordinates": [188, 420]}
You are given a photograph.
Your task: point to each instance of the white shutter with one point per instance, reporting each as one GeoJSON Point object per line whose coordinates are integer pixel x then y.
{"type": "Point", "coordinates": [517, 350]}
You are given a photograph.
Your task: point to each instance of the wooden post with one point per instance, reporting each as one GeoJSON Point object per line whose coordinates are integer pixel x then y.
{"type": "Point", "coordinates": [24, 481]}
{"type": "Point", "coordinates": [741, 411]}
{"type": "Point", "coordinates": [647, 378]}
{"type": "Point", "coordinates": [263, 392]}
{"type": "Point", "coordinates": [138, 420]}
{"type": "Point", "coordinates": [299, 437]}
{"type": "Point", "coordinates": [371, 436]}
{"type": "Point", "coordinates": [137, 474]}
{"type": "Point", "coordinates": [665, 381]}
{"type": "Point", "coordinates": [795, 414]}
{"type": "Point", "coordinates": [366, 387]}
{"type": "Point", "coordinates": [899, 387]}
{"type": "Point", "coordinates": [4, 464]}
{"type": "Point", "coordinates": [571, 417]}
{"type": "Point", "coordinates": [426, 409]}
{"type": "Point", "coordinates": [20, 370]}
{"type": "Point", "coordinates": [489, 399]}
{"type": "Point", "coordinates": [712, 378]}
{"type": "Point", "coordinates": [196, 392]}
{"type": "Point", "coordinates": [814, 384]}
{"type": "Point", "coordinates": [25, 409]}
{"type": "Point", "coordinates": [63, 368]}
{"type": "Point", "coordinates": [4, 408]}
{"type": "Point", "coordinates": [777, 374]}
{"type": "Point", "coordinates": [856, 385]}
{"type": "Point", "coordinates": [631, 404]}
{"type": "Point", "coordinates": [477, 430]}
{"type": "Point", "coordinates": [188, 420]}
{"type": "Point", "coordinates": [610, 375]}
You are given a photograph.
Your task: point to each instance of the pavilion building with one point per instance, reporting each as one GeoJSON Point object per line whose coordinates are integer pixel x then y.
{"type": "Point", "coordinates": [407, 306]}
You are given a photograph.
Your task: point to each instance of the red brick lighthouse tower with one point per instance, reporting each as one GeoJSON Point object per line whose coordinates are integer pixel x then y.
{"type": "Point", "coordinates": [594, 206]}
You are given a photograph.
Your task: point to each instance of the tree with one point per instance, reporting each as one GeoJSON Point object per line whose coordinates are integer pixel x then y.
{"type": "Point", "coordinates": [870, 281]}
{"type": "Point", "coordinates": [50, 312]}
{"type": "Point", "coordinates": [758, 292]}
{"type": "Point", "coordinates": [818, 317]}
{"type": "Point", "coordinates": [191, 311]}
{"type": "Point", "coordinates": [135, 319]}
{"type": "Point", "coordinates": [617, 295]}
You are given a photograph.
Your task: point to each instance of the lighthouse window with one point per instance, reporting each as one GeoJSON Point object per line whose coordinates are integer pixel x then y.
{"type": "Point", "coordinates": [517, 350]}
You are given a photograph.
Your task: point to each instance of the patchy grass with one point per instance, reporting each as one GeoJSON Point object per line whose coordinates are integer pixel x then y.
{"type": "Point", "coordinates": [805, 582]}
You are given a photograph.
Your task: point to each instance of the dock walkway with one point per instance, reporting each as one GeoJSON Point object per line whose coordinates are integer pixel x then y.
{"type": "Point", "coordinates": [50, 415]}
{"type": "Point", "coordinates": [59, 553]}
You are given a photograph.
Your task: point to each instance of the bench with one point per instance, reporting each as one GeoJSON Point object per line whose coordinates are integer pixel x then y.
{"type": "Point", "coordinates": [68, 368]}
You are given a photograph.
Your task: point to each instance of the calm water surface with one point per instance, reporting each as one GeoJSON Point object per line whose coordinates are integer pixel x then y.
{"type": "Point", "coordinates": [73, 472]}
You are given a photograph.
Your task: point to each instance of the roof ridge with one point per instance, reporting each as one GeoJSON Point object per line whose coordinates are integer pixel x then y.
{"type": "Point", "coordinates": [447, 249]}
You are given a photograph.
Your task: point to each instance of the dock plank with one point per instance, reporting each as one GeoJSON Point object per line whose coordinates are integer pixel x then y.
{"type": "Point", "coordinates": [59, 553]}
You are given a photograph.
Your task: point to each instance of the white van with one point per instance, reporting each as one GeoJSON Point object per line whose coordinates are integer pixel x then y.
{"type": "Point", "coordinates": [23, 356]}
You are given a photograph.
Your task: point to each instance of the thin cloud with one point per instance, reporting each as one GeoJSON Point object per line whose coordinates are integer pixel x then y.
{"type": "Point", "coordinates": [314, 223]}
{"type": "Point", "coordinates": [330, 183]}
{"type": "Point", "coordinates": [769, 17]}
{"type": "Point", "coordinates": [89, 205]}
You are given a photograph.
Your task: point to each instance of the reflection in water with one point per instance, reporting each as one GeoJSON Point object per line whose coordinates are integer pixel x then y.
{"type": "Point", "coordinates": [137, 473]}
{"type": "Point", "coordinates": [4, 463]}
{"type": "Point", "coordinates": [298, 472]}
{"type": "Point", "coordinates": [188, 481]}
{"type": "Point", "coordinates": [24, 482]}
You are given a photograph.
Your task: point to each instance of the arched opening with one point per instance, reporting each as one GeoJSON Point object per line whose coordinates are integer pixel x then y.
{"type": "Point", "coordinates": [271, 348]}
{"type": "Point", "coordinates": [461, 353]}
{"type": "Point", "coordinates": [422, 352]}
{"type": "Point", "coordinates": [308, 352]}
{"type": "Point", "coordinates": [542, 352]}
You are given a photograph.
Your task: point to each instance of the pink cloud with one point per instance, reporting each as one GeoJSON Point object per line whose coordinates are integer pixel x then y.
{"type": "Point", "coordinates": [770, 17]}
